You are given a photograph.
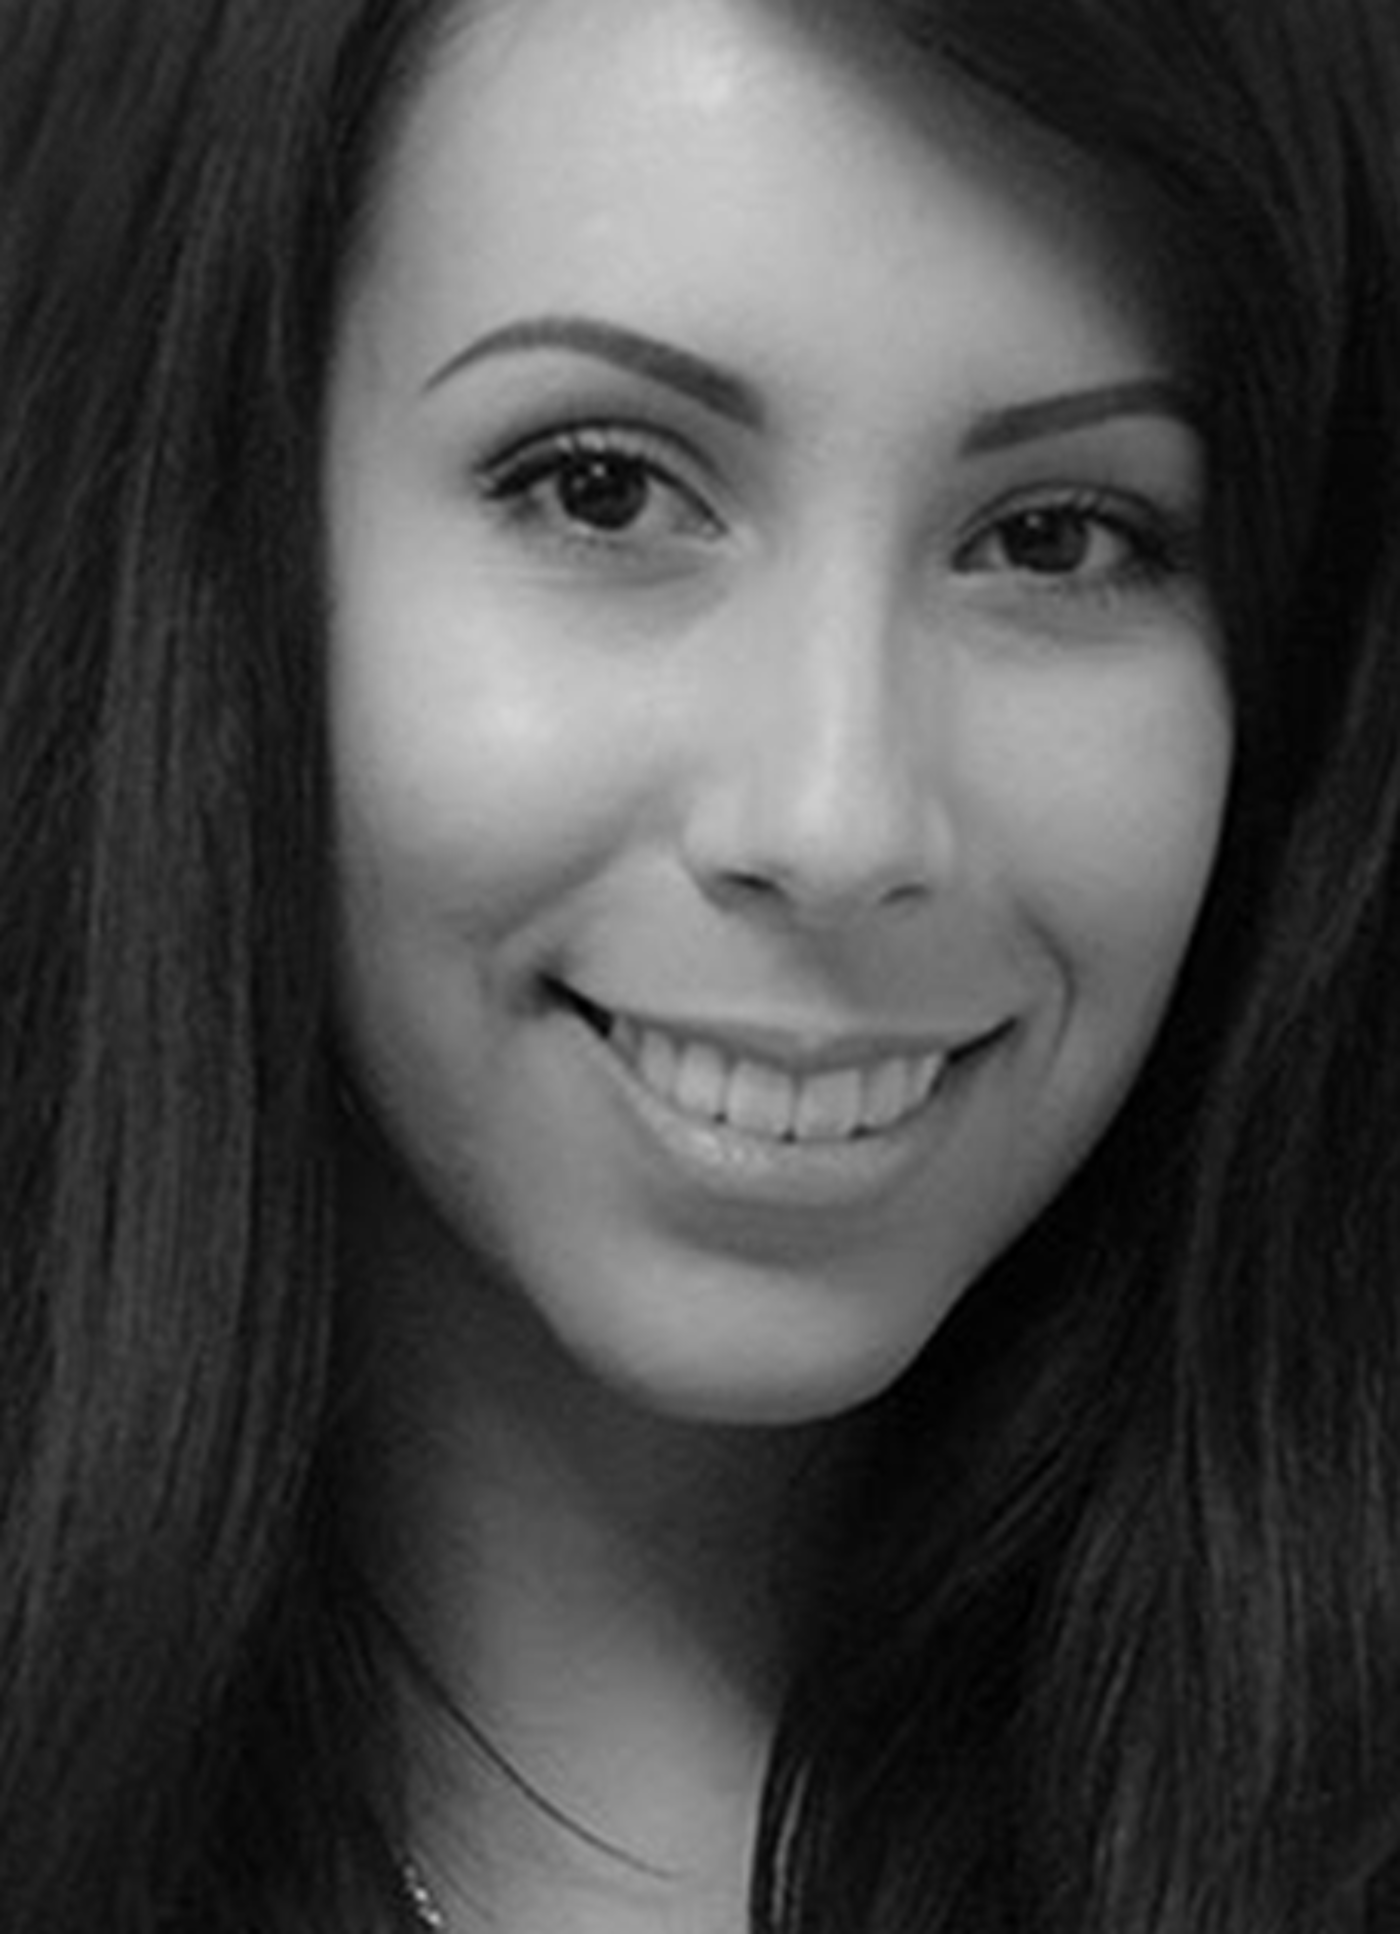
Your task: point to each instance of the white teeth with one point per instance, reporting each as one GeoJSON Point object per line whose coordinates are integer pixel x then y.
{"type": "Point", "coordinates": [700, 1081]}
{"type": "Point", "coordinates": [886, 1094]}
{"type": "Point", "coordinates": [763, 1100]}
{"type": "Point", "coordinates": [657, 1061]}
{"type": "Point", "coordinates": [760, 1100]}
{"type": "Point", "coordinates": [828, 1109]}
{"type": "Point", "coordinates": [928, 1071]}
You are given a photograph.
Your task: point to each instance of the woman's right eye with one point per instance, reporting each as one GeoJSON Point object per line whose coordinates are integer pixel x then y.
{"type": "Point", "coordinates": [599, 490]}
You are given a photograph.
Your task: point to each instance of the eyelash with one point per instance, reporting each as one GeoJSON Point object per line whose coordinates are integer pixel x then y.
{"type": "Point", "coordinates": [1159, 544]}
{"type": "Point", "coordinates": [512, 486]}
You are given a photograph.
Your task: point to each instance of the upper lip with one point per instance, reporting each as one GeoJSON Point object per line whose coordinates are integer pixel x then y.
{"type": "Point", "coordinates": [802, 1046]}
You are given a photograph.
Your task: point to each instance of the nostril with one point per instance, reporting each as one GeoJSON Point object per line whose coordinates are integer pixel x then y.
{"type": "Point", "coordinates": [809, 897]}
{"type": "Point", "coordinates": [750, 882]}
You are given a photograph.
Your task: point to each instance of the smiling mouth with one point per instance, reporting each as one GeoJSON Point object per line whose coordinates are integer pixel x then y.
{"type": "Point", "coordinates": [705, 1083]}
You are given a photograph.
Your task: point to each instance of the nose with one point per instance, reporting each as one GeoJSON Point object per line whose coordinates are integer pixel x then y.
{"type": "Point", "coordinates": [826, 793]}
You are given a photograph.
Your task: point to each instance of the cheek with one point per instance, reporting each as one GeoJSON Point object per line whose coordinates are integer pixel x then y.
{"type": "Point", "coordinates": [1115, 793]}
{"type": "Point", "coordinates": [475, 780]}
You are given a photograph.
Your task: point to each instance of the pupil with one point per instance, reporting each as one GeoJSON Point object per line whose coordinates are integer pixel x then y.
{"type": "Point", "coordinates": [1048, 540]}
{"type": "Point", "coordinates": [606, 492]}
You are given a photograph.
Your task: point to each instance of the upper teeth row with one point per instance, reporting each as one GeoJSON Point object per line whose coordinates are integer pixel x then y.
{"type": "Point", "coordinates": [760, 1098]}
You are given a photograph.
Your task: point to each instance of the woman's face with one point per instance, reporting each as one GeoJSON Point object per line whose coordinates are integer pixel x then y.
{"type": "Point", "coordinates": [779, 733]}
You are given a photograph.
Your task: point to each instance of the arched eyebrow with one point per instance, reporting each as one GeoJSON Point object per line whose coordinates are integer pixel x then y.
{"type": "Point", "coordinates": [715, 388]}
{"type": "Point", "coordinates": [728, 394]}
{"type": "Point", "coordinates": [1063, 414]}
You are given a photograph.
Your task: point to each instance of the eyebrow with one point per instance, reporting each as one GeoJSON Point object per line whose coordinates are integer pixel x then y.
{"type": "Point", "coordinates": [1062, 415]}
{"type": "Point", "coordinates": [730, 395]}
{"type": "Point", "coordinates": [704, 382]}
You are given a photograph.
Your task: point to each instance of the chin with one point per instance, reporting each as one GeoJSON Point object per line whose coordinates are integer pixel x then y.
{"type": "Point", "coordinates": [748, 1379]}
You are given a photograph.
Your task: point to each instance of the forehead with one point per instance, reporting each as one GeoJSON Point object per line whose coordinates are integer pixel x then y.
{"type": "Point", "coordinates": [662, 156]}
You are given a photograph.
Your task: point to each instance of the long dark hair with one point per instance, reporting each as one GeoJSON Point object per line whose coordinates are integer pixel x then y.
{"type": "Point", "coordinates": [1122, 1655]}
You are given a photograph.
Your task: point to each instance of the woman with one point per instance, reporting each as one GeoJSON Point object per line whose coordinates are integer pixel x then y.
{"type": "Point", "coordinates": [700, 777]}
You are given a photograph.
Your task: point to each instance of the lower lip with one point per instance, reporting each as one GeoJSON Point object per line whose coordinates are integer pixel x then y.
{"type": "Point", "coordinates": [722, 1165]}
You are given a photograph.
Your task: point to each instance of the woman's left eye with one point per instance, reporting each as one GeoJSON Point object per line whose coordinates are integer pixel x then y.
{"type": "Point", "coordinates": [1075, 543]}
{"type": "Point", "coordinates": [601, 490]}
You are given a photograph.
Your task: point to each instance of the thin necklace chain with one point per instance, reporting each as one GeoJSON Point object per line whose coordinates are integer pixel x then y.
{"type": "Point", "coordinates": [421, 1898]}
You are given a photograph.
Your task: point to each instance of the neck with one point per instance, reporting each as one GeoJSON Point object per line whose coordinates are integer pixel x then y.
{"type": "Point", "coordinates": [607, 1594]}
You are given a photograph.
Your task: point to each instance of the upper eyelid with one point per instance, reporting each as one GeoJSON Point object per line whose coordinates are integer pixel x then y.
{"type": "Point", "coordinates": [628, 436]}
{"type": "Point", "coordinates": [1131, 512]}
{"type": "Point", "coordinates": [1126, 503]}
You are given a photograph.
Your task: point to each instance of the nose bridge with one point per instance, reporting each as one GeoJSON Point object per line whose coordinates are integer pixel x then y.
{"type": "Point", "coordinates": [830, 794]}
{"type": "Point", "coordinates": [838, 768]}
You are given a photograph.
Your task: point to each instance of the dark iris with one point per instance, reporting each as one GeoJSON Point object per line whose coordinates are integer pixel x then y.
{"type": "Point", "coordinates": [1046, 541]}
{"type": "Point", "coordinates": [607, 492]}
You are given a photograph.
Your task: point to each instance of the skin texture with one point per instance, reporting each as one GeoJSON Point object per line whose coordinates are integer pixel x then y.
{"type": "Point", "coordinates": [800, 747]}
{"type": "Point", "coordinates": [766, 707]}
